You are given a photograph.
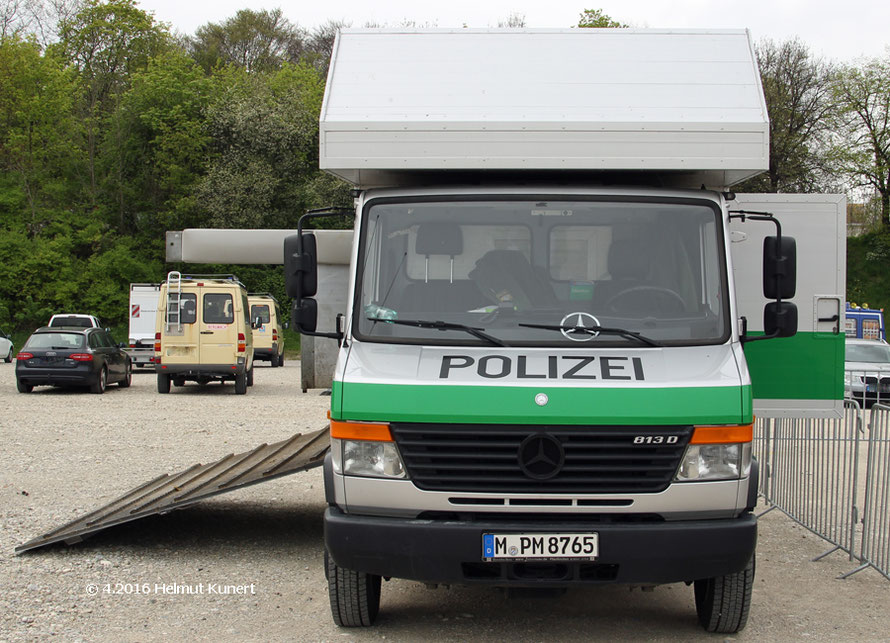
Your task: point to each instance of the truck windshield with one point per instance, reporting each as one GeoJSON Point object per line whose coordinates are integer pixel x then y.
{"type": "Point", "coordinates": [542, 272]}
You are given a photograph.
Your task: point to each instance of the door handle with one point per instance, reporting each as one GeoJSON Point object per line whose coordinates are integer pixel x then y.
{"type": "Point", "coordinates": [206, 332]}
{"type": "Point", "coordinates": [830, 319]}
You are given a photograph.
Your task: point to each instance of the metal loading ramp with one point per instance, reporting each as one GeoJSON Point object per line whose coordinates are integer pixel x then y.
{"type": "Point", "coordinates": [198, 482]}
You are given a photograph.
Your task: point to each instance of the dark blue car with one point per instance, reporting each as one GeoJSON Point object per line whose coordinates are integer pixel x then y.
{"type": "Point", "coordinates": [71, 356]}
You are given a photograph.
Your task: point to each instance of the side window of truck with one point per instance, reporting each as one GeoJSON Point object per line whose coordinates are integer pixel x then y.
{"type": "Point", "coordinates": [218, 308]}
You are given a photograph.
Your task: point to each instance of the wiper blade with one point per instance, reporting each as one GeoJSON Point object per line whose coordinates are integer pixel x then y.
{"type": "Point", "coordinates": [597, 330]}
{"type": "Point", "coordinates": [441, 325]}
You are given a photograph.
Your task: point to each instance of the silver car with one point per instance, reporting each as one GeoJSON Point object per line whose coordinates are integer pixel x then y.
{"type": "Point", "coordinates": [6, 347]}
{"type": "Point", "coordinates": [867, 371]}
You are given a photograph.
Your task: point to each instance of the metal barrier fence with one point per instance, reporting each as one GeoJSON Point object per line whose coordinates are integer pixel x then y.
{"type": "Point", "coordinates": [816, 471]}
{"type": "Point", "coordinates": [875, 550]}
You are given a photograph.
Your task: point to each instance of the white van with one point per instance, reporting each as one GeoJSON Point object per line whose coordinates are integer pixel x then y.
{"type": "Point", "coordinates": [203, 332]}
{"type": "Point", "coordinates": [265, 316]}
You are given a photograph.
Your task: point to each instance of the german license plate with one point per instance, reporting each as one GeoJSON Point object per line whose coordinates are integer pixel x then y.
{"type": "Point", "coordinates": [540, 546]}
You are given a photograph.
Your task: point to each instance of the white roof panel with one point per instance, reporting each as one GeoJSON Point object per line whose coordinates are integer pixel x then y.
{"type": "Point", "coordinates": [581, 99]}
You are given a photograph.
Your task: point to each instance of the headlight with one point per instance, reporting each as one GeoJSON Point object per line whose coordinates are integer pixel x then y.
{"type": "Point", "coordinates": [372, 459]}
{"type": "Point", "coordinates": [365, 449]}
{"type": "Point", "coordinates": [706, 458]}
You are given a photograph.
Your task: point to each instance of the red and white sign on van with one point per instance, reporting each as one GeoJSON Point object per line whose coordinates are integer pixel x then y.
{"type": "Point", "coordinates": [134, 310]}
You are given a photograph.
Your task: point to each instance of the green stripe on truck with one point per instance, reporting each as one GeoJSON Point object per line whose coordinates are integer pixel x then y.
{"type": "Point", "coordinates": [806, 366]}
{"type": "Point", "coordinates": [516, 405]}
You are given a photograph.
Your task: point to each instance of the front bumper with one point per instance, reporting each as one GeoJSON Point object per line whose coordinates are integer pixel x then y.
{"type": "Point", "coordinates": [443, 551]}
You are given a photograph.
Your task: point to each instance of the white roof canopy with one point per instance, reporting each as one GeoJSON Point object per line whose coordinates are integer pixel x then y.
{"type": "Point", "coordinates": [683, 102]}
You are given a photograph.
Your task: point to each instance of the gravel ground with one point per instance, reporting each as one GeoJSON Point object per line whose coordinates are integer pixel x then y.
{"type": "Point", "coordinates": [67, 452]}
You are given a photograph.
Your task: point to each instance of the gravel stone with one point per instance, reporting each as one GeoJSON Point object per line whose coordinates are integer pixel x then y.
{"type": "Point", "coordinates": [66, 452]}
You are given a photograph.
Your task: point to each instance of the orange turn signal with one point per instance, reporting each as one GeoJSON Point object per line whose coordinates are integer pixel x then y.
{"type": "Point", "coordinates": [722, 434]}
{"type": "Point", "coordinates": [360, 431]}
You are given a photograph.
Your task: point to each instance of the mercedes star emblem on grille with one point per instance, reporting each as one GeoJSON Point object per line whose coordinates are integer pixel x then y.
{"type": "Point", "coordinates": [541, 456]}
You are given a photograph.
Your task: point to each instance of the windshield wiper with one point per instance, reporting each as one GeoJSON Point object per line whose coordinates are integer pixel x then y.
{"type": "Point", "coordinates": [441, 325]}
{"type": "Point", "coordinates": [597, 330]}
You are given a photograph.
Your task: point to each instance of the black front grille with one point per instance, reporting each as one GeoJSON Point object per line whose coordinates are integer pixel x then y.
{"type": "Point", "coordinates": [486, 458]}
{"type": "Point", "coordinates": [875, 385]}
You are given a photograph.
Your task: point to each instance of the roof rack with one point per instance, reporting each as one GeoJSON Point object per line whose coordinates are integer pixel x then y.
{"type": "Point", "coordinates": [263, 294]}
{"type": "Point", "coordinates": [220, 277]}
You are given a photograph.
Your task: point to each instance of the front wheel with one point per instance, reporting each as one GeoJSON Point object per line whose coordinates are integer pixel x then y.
{"type": "Point", "coordinates": [101, 382]}
{"type": "Point", "coordinates": [354, 596]}
{"type": "Point", "coordinates": [163, 383]}
{"type": "Point", "coordinates": [722, 602]}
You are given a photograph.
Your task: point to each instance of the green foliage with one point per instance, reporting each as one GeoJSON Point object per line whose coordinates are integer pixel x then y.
{"type": "Point", "coordinates": [862, 149]}
{"type": "Point", "coordinates": [596, 18]}
{"type": "Point", "coordinates": [868, 269]}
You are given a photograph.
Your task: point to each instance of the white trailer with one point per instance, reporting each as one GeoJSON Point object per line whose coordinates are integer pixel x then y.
{"type": "Point", "coordinates": [143, 312]}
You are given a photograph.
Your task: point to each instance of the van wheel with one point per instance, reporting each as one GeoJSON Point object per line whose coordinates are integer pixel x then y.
{"type": "Point", "coordinates": [241, 384]}
{"type": "Point", "coordinates": [163, 383]}
{"type": "Point", "coordinates": [281, 360]}
{"type": "Point", "coordinates": [98, 386]}
{"type": "Point", "coordinates": [128, 377]}
{"type": "Point", "coordinates": [273, 361]}
{"type": "Point", "coordinates": [22, 387]}
{"type": "Point", "coordinates": [250, 377]}
{"type": "Point", "coordinates": [354, 596]}
{"type": "Point", "coordinates": [722, 603]}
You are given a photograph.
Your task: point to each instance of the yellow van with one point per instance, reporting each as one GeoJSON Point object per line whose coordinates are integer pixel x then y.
{"type": "Point", "coordinates": [203, 332]}
{"type": "Point", "coordinates": [265, 317]}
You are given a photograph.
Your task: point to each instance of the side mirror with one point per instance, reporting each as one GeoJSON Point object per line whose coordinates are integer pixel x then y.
{"type": "Point", "coordinates": [305, 315]}
{"type": "Point", "coordinates": [300, 266]}
{"type": "Point", "coordinates": [257, 323]}
{"type": "Point", "coordinates": [780, 319]}
{"type": "Point", "coordinates": [779, 268]}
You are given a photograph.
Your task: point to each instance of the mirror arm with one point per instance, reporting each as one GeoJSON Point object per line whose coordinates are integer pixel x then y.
{"type": "Point", "coordinates": [743, 215]}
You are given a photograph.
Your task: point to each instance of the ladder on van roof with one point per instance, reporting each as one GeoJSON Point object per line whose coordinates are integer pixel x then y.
{"type": "Point", "coordinates": [173, 316]}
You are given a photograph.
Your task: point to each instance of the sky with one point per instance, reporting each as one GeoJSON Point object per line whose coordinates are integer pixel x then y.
{"type": "Point", "coordinates": [842, 31]}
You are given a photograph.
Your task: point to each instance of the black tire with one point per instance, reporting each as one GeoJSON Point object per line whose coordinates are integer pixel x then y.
{"type": "Point", "coordinates": [250, 377]}
{"type": "Point", "coordinates": [128, 377]}
{"type": "Point", "coordinates": [273, 361]}
{"type": "Point", "coordinates": [241, 384]}
{"type": "Point", "coordinates": [722, 603]}
{"type": "Point", "coordinates": [178, 381]}
{"type": "Point", "coordinates": [98, 387]}
{"type": "Point", "coordinates": [22, 387]}
{"type": "Point", "coordinates": [354, 596]}
{"type": "Point", "coordinates": [163, 383]}
{"type": "Point", "coordinates": [281, 360]}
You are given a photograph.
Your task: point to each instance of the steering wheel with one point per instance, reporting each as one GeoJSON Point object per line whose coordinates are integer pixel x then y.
{"type": "Point", "coordinates": [674, 300]}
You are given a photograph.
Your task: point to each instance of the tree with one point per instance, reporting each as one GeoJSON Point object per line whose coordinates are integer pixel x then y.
{"type": "Point", "coordinates": [863, 148]}
{"type": "Point", "coordinates": [38, 134]}
{"type": "Point", "coordinates": [264, 168]}
{"type": "Point", "coordinates": [514, 20]}
{"type": "Point", "coordinates": [595, 18]}
{"type": "Point", "coordinates": [797, 90]}
{"type": "Point", "coordinates": [255, 40]}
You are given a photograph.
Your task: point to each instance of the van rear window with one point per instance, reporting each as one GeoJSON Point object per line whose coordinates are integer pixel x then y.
{"type": "Point", "coordinates": [79, 322]}
{"type": "Point", "coordinates": [261, 311]}
{"type": "Point", "coordinates": [218, 308]}
{"type": "Point", "coordinates": [188, 307]}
